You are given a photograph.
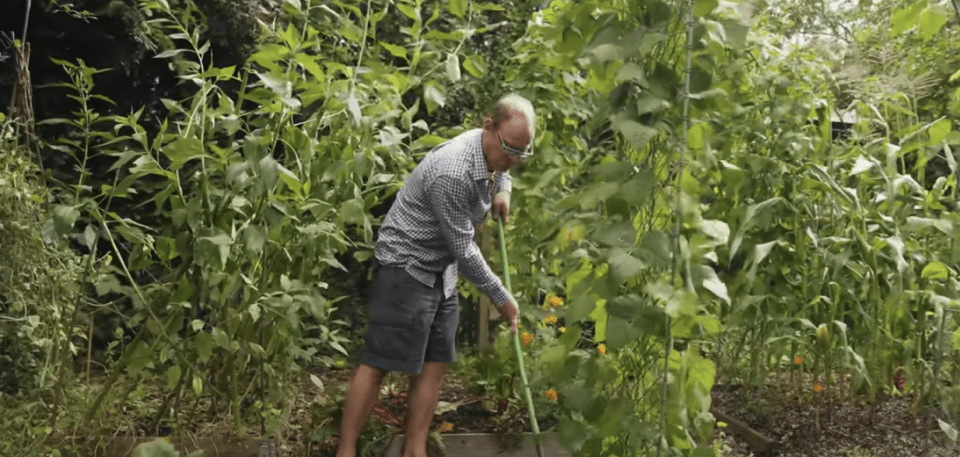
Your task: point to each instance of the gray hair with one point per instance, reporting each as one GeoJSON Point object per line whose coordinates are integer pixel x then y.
{"type": "Point", "coordinates": [510, 103]}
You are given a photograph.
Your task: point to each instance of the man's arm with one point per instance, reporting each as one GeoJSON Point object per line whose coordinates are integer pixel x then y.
{"type": "Point", "coordinates": [448, 198]}
{"type": "Point", "coordinates": [504, 182]}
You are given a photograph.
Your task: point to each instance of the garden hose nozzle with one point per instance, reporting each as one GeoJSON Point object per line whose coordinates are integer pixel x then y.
{"type": "Point", "coordinates": [537, 441]}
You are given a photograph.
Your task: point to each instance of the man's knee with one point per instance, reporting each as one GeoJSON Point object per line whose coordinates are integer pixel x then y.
{"type": "Point", "coordinates": [370, 373]}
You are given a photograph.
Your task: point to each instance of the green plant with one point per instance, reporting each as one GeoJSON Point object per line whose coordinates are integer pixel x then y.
{"type": "Point", "coordinates": [41, 329]}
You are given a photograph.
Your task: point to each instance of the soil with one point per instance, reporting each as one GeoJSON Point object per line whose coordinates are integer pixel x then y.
{"type": "Point", "coordinates": [465, 412]}
{"type": "Point", "coordinates": [810, 426]}
{"type": "Point", "coordinates": [829, 423]}
{"type": "Point", "coordinates": [800, 422]}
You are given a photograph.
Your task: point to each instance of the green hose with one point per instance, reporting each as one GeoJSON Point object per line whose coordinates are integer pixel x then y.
{"type": "Point", "coordinates": [537, 440]}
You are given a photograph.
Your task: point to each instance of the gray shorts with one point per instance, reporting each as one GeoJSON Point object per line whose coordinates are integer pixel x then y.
{"type": "Point", "coordinates": [410, 323]}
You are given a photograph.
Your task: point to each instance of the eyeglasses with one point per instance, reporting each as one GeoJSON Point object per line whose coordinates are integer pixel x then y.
{"type": "Point", "coordinates": [524, 155]}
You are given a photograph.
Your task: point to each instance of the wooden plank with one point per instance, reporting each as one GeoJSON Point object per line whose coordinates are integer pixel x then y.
{"type": "Point", "coordinates": [759, 444]}
{"type": "Point", "coordinates": [123, 446]}
{"type": "Point", "coordinates": [486, 445]}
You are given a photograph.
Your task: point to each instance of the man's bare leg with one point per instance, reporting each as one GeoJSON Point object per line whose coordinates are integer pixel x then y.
{"type": "Point", "coordinates": [361, 397]}
{"type": "Point", "coordinates": [423, 403]}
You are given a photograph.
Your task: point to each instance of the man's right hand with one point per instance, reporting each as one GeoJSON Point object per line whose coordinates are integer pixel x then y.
{"type": "Point", "coordinates": [511, 311]}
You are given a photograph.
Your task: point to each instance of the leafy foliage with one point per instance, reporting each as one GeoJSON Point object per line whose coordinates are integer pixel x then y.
{"type": "Point", "coordinates": [219, 223]}
{"type": "Point", "coordinates": [40, 320]}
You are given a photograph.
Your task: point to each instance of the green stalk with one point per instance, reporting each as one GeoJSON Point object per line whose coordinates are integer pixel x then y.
{"type": "Point", "coordinates": [537, 440]}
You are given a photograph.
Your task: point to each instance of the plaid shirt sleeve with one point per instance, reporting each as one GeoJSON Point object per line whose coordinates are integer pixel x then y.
{"type": "Point", "coordinates": [448, 196]}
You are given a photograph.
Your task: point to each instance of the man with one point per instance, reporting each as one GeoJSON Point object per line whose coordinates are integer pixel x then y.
{"type": "Point", "coordinates": [427, 238]}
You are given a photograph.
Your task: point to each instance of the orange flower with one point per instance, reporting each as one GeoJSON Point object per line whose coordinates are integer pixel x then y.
{"type": "Point", "coordinates": [563, 329]}
{"type": "Point", "coordinates": [818, 387]}
{"type": "Point", "coordinates": [551, 319]}
{"type": "Point", "coordinates": [527, 338]}
{"type": "Point", "coordinates": [552, 395]}
{"type": "Point", "coordinates": [446, 427]}
{"type": "Point", "coordinates": [797, 360]}
{"type": "Point", "coordinates": [556, 302]}
{"type": "Point", "coordinates": [602, 349]}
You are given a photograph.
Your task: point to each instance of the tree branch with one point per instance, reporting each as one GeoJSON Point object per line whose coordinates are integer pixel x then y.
{"type": "Point", "coordinates": [956, 9]}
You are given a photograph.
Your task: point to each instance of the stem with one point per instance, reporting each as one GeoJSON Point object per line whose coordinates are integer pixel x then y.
{"type": "Point", "coordinates": [166, 402]}
{"type": "Point", "coordinates": [90, 344]}
{"type": "Point", "coordinates": [234, 393]}
{"type": "Point", "coordinates": [117, 370]}
{"type": "Point", "coordinates": [363, 48]}
{"type": "Point", "coordinates": [668, 340]}
{"type": "Point", "coordinates": [956, 9]}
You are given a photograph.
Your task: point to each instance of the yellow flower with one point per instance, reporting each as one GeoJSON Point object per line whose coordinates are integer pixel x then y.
{"type": "Point", "coordinates": [552, 395]}
{"type": "Point", "coordinates": [446, 427]}
{"type": "Point", "coordinates": [797, 360]}
{"type": "Point", "coordinates": [526, 338]}
{"type": "Point", "coordinates": [551, 319]}
{"type": "Point", "coordinates": [721, 424]}
{"type": "Point", "coordinates": [556, 302]}
{"type": "Point", "coordinates": [818, 387]}
{"type": "Point", "coordinates": [563, 329]}
{"type": "Point", "coordinates": [602, 349]}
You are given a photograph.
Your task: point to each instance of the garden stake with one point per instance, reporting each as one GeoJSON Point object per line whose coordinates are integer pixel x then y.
{"type": "Point", "coordinates": [516, 344]}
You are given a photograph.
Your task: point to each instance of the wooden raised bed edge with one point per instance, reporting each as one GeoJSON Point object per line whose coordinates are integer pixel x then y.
{"type": "Point", "coordinates": [455, 445]}
{"type": "Point", "coordinates": [123, 446]}
{"type": "Point", "coordinates": [485, 445]}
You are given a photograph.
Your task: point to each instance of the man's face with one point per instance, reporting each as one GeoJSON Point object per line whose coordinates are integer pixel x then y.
{"type": "Point", "coordinates": [512, 141]}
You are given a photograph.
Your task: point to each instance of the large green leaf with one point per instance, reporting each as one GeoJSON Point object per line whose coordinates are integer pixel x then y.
{"type": "Point", "coordinates": [618, 235]}
{"type": "Point", "coordinates": [598, 193]}
{"type": "Point", "coordinates": [204, 343]}
{"type": "Point", "coordinates": [905, 19]}
{"type": "Point", "coordinates": [620, 332]}
{"type": "Point", "coordinates": [638, 190]}
{"type": "Point", "coordinates": [623, 265]}
{"type": "Point", "coordinates": [182, 150]}
{"type": "Point", "coordinates": [64, 217]}
{"type": "Point", "coordinates": [711, 282]}
{"type": "Point", "coordinates": [475, 65]}
{"type": "Point", "coordinates": [935, 270]}
{"type": "Point", "coordinates": [938, 131]}
{"type": "Point", "coordinates": [571, 43]}
{"type": "Point", "coordinates": [457, 7]}
{"type": "Point", "coordinates": [932, 20]}
{"type": "Point", "coordinates": [636, 133]}
{"type": "Point", "coordinates": [173, 376]}
{"type": "Point", "coordinates": [655, 249]}
{"type": "Point", "coordinates": [705, 7]}
{"type": "Point", "coordinates": [434, 98]}
{"type": "Point", "coordinates": [453, 67]}
{"type": "Point", "coordinates": [396, 51]}
{"type": "Point", "coordinates": [580, 307]}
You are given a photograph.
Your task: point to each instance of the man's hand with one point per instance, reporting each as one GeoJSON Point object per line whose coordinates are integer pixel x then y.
{"type": "Point", "coordinates": [501, 206]}
{"type": "Point", "coordinates": [511, 311]}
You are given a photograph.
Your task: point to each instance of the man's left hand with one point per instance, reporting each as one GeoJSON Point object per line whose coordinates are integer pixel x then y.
{"type": "Point", "coordinates": [501, 206]}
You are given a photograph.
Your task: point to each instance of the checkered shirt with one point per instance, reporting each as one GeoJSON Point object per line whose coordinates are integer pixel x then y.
{"type": "Point", "coordinates": [430, 227]}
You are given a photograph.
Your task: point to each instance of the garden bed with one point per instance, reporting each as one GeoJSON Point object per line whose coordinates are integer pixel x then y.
{"type": "Point", "coordinates": [846, 429]}
{"type": "Point", "coordinates": [757, 419]}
